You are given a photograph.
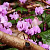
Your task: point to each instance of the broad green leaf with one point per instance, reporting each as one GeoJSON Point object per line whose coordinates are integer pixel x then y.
{"type": "Point", "coordinates": [17, 20]}
{"type": "Point", "coordinates": [11, 49]}
{"type": "Point", "coordinates": [21, 9]}
{"type": "Point", "coordinates": [32, 12]}
{"type": "Point", "coordinates": [31, 17]}
{"type": "Point", "coordinates": [12, 21]}
{"type": "Point", "coordinates": [45, 37]}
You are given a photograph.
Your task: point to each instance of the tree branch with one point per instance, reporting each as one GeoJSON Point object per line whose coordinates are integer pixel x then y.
{"type": "Point", "coordinates": [17, 42]}
{"type": "Point", "coordinates": [19, 34]}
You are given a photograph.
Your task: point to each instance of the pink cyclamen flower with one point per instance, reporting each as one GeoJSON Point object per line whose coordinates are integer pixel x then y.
{"type": "Point", "coordinates": [31, 41]}
{"type": "Point", "coordinates": [22, 1]}
{"type": "Point", "coordinates": [36, 29]}
{"type": "Point", "coordinates": [3, 19]}
{"type": "Point", "coordinates": [3, 11]}
{"type": "Point", "coordinates": [48, 1]}
{"type": "Point", "coordinates": [40, 43]}
{"type": "Point", "coordinates": [30, 31]}
{"type": "Point", "coordinates": [36, 22]}
{"type": "Point", "coordinates": [6, 4]}
{"type": "Point", "coordinates": [39, 10]}
{"type": "Point", "coordinates": [8, 31]}
{"type": "Point", "coordinates": [14, 16]}
{"type": "Point", "coordinates": [1, 26]}
{"type": "Point", "coordinates": [22, 25]}
{"type": "Point", "coordinates": [44, 46]}
{"type": "Point", "coordinates": [7, 24]}
{"type": "Point", "coordinates": [28, 20]}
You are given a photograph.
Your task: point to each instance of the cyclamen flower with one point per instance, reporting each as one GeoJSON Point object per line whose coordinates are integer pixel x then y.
{"type": "Point", "coordinates": [31, 41]}
{"type": "Point", "coordinates": [22, 25]}
{"type": "Point", "coordinates": [1, 26]}
{"type": "Point", "coordinates": [8, 31]}
{"type": "Point", "coordinates": [3, 19]}
{"type": "Point", "coordinates": [39, 10]}
{"type": "Point", "coordinates": [34, 30]}
{"type": "Point", "coordinates": [14, 16]}
{"type": "Point", "coordinates": [30, 31]}
{"type": "Point", "coordinates": [7, 24]}
{"type": "Point", "coordinates": [36, 22]}
{"type": "Point", "coordinates": [22, 1]}
{"type": "Point", "coordinates": [48, 1]}
{"type": "Point", "coordinates": [6, 4]}
{"type": "Point", "coordinates": [2, 11]}
{"type": "Point", "coordinates": [45, 46]}
{"type": "Point", "coordinates": [28, 20]}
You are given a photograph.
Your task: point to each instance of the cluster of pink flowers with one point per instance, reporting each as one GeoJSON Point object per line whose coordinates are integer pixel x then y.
{"type": "Point", "coordinates": [28, 20]}
{"type": "Point", "coordinates": [39, 10]}
{"type": "Point", "coordinates": [22, 25]}
{"type": "Point", "coordinates": [26, 26]}
{"type": "Point", "coordinates": [44, 45]}
{"type": "Point", "coordinates": [14, 16]}
{"type": "Point", "coordinates": [4, 24]}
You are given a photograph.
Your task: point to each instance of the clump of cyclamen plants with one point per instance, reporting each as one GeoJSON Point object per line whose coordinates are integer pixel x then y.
{"type": "Point", "coordinates": [29, 26]}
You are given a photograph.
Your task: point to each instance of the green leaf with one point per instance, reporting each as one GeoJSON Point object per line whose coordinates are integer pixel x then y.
{"type": "Point", "coordinates": [32, 12]}
{"type": "Point", "coordinates": [45, 37]}
{"type": "Point", "coordinates": [12, 21]}
{"type": "Point", "coordinates": [21, 9]}
{"type": "Point", "coordinates": [31, 17]}
{"type": "Point", "coordinates": [11, 49]}
{"type": "Point", "coordinates": [48, 24]}
{"type": "Point", "coordinates": [47, 19]}
{"type": "Point", "coordinates": [43, 15]}
{"type": "Point", "coordinates": [17, 20]}
{"type": "Point", "coordinates": [41, 26]}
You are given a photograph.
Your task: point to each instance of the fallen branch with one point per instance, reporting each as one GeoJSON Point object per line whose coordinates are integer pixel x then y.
{"type": "Point", "coordinates": [19, 34]}
{"type": "Point", "coordinates": [17, 42]}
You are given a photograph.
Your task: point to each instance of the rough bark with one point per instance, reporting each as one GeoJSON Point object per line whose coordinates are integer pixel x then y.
{"type": "Point", "coordinates": [17, 42]}
{"type": "Point", "coordinates": [19, 34]}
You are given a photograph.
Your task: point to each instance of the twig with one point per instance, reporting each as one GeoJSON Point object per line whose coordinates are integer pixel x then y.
{"type": "Point", "coordinates": [45, 2]}
{"type": "Point", "coordinates": [11, 11]}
